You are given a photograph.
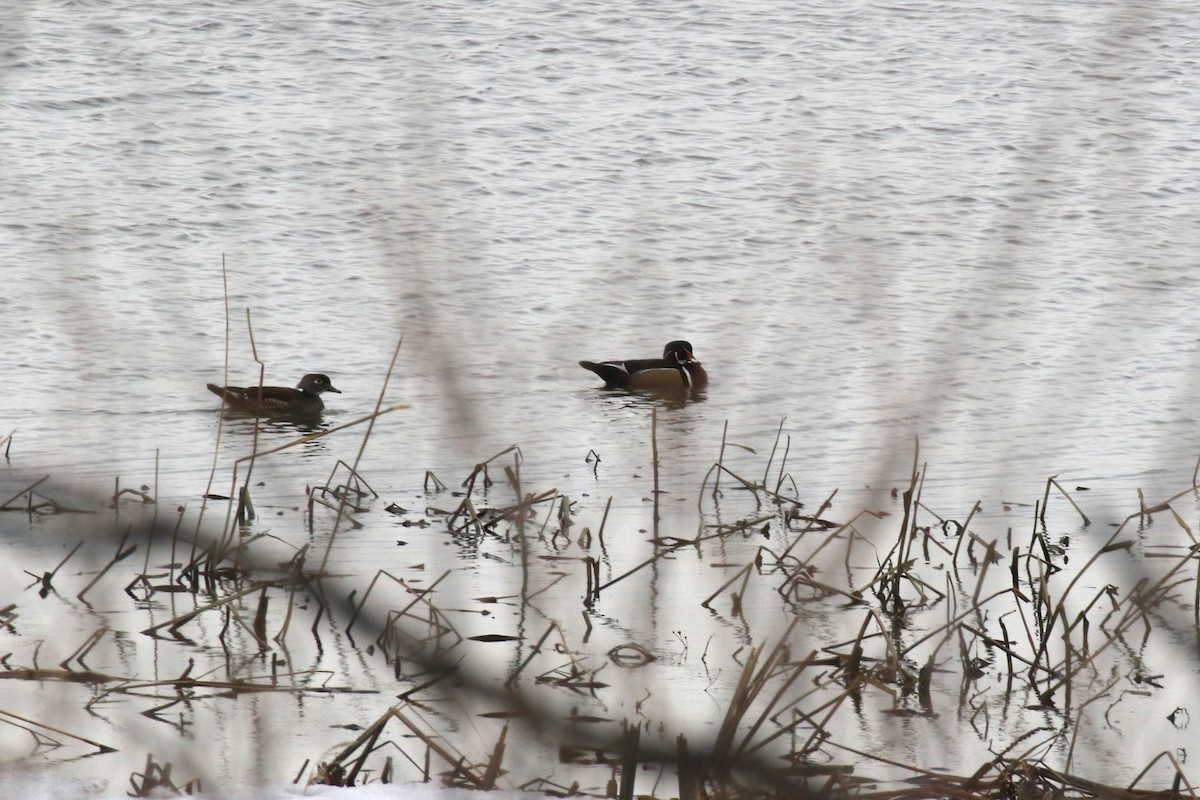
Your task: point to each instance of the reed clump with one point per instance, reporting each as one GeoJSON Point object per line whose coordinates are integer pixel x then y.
{"type": "Point", "coordinates": [818, 626]}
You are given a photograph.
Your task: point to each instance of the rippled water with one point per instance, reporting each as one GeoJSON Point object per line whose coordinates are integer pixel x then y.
{"type": "Point", "coordinates": [972, 224]}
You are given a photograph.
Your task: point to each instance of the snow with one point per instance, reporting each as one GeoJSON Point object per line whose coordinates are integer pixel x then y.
{"type": "Point", "coordinates": [33, 787]}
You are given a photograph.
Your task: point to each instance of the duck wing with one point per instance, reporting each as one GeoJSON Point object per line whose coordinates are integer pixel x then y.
{"type": "Point", "coordinates": [620, 373]}
{"type": "Point", "coordinates": [265, 396]}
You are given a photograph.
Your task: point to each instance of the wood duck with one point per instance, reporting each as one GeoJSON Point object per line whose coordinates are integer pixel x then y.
{"type": "Point", "coordinates": [677, 368]}
{"type": "Point", "coordinates": [278, 401]}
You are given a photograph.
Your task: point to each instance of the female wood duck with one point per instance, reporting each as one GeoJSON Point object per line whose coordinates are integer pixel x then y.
{"type": "Point", "coordinates": [278, 401]}
{"type": "Point", "coordinates": [677, 368]}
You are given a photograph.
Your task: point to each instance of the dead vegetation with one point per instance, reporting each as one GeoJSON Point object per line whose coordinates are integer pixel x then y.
{"type": "Point", "coordinates": [1015, 624]}
{"type": "Point", "coordinates": [938, 623]}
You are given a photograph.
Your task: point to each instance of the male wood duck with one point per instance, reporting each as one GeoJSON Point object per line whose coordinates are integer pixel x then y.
{"type": "Point", "coordinates": [278, 401]}
{"type": "Point", "coordinates": [677, 368]}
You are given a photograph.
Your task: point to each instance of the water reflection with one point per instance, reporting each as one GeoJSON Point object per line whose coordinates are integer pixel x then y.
{"type": "Point", "coordinates": [673, 398]}
{"type": "Point", "coordinates": [809, 295]}
{"type": "Point", "coordinates": [275, 431]}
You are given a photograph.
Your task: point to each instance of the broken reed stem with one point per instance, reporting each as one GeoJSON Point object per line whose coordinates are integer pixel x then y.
{"type": "Point", "coordinates": [513, 474]}
{"type": "Point", "coordinates": [1109, 542]}
{"type": "Point", "coordinates": [964, 533]}
{"type": "Point", "coordinates": [774, 447]}
{"type": "Point", "coordinates": [49, 576]}
{"type": "Point", "coordinates": [797, 669]}
{"type": "Point", "coordinates": [907, 541]}
{"type": "Point", "coordinates": [1180, 777]}
{"type": "Point", "coordinates": [1061, 612]}
{"type": "Point", "coordinates": [1079, 718]}
{"type": "Point", "coordinates": [689, 770]}
{"type": "Point", "coordinates": [957, 619]}
{"type": "Point", "coordinates": [716, 490]}
{"type": "Point", "coordinates": [482, 468]}
{"type": "Point", "coordinates": [743, 571]}
{"type": "Point", "coordinates": [362, 603]}
{"type": "Point", "coordinates": [603, 519]}
{"type": "Point", "coordinates": [120, 555]}
{"type": "Point", "coordinates": [630, 742]}
{"type": "Point", "coordinates": [589, 595]}
{"type": "Point", "coordinates": [361, 449]}
{"type": "Point", "coordinates": [84, 649]}
{"type": "Point", "coordinates": [1002, 646]}
{"type": "Point", "coordinates": [177, 622]}
{"type": "Point", "coordinates": [751, 683]}
{"type": "Point", "coordinates": [30, 488]}
{"type": "Point", "coordinates": [422, 596]}
{"type": "Point", "coordinates": [1142, 597]}
{"type": "Point", "coordinates": [1053, 481]}
{"type": "Point", "coordinates": [287, 617]}
{"type": "Point", "coordinates": [378, 405]}
{"type": "Point", "coordinates": [801, 717]}
{"type": "Point", "coordinates": [719, 468]}
{"type": "Point", "coordinates": [836, 533]}
{"type": "Point", "coordinates": [174, 560]}
{"type": "Point", "coordinates": [212, 472]}
{"type": "Point", "coordinates": [787, 449]}
{"type": "Point", "coordinates": [103, 748]}
{"type": "Point", "coordinates": [368, 746]}
{"type": "Point", "coordinates": [820, 733]}
{"type": "Point", "coordinates": [492, 771]}
{"type": "Point", "coordinates": [665, 552]}
{"type": "Point", "coordinates": [454, 761]}
{"type": "Point", "coordinates": [522, 510]}
{"type": "Point", "coordinates": [154, 519]}
{"type": "Point", "coordinates": [244, 508]}
{"type": "Point", "coordinates": [1041, 516]}
{"type": "Point", "coordinates": [654, 455]}
{"type": "Point", "coordinates": [312, 437]}
{"type": "Point", "coordinates": [533, 651]}
{"type": "Point", "coordinates": [898, 554]}
{"type": "Point", "coordinates": [877, 756]}
{"type": "Point", "coordinates": [983, 570]}
{"type": "Point", "coordinates": [365, 740]}
{"type": "Point", "coordinates": [546, 521]}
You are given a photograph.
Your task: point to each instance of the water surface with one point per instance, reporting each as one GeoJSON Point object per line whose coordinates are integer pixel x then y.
{"type": "Point", "coordinates": [966, 224]}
